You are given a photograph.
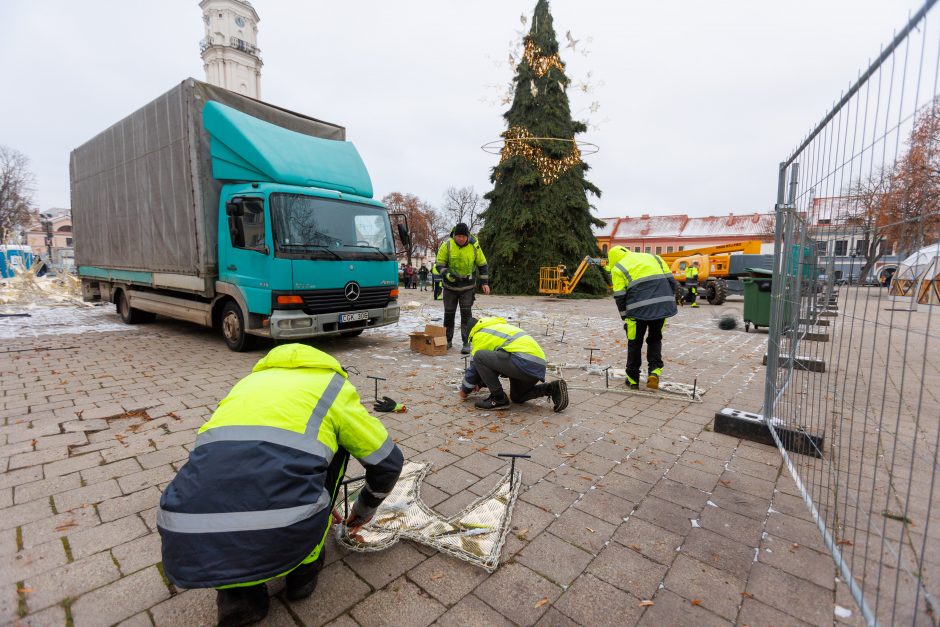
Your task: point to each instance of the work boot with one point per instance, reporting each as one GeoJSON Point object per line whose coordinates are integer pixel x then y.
{"type": "Point", "coordinates": [466, 349]}
{"type": "Point", "coordinates": [242, 606]}
{"type": "Point", "coordinates": [302, 581]}
{"type": "Point", "coordinates": [694, 305]}
{"type": "Point", "coordinates": [493, 402]}
{"type": "Point", "coordinates": [632, 386]}
{"type": "Point", "coordinates": [652, 381]}
{"type": "Point", "coordinates": [450, 344]}
{"type": "Point", "coordinates": [558, 391]}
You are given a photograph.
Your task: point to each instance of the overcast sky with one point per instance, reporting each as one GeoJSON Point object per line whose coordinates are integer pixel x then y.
{"type": "Point", "coordinates": [698, 101]}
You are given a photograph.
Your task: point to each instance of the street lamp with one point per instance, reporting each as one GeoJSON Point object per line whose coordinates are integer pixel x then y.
{"type": "Point", "coordinates": [46, 221]}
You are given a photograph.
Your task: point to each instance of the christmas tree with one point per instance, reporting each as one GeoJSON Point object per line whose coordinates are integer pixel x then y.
{"type": "Point", "coordinates": [539, 214]}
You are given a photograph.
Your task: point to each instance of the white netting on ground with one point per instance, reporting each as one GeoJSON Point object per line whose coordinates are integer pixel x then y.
{"type": "Point", "coordinates": [474, 535]}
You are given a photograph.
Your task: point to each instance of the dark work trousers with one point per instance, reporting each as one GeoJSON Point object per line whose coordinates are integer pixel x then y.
{"type": "Point", "coordinates": [653, 329]}
{"type": "Point", "coordinates": [691, 291]}
{"type": "Point", "coordinates": [491, 364]}
{"type": "Point", "coordinates": [452, 300]}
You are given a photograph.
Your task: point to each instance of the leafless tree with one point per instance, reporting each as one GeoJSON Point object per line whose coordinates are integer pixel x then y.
{"type": "Point", "coordinates": [463, 205]}
{"type": "Point", "coordinates": [16, 192]}
{"type": "Point", "coordinates": [420, 217]}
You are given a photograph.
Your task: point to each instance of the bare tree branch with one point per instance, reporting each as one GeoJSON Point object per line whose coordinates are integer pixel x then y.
{"type": "Point", "coordinates": [16, 192]}
{"type": "Point", "coordinates": [463, 205]}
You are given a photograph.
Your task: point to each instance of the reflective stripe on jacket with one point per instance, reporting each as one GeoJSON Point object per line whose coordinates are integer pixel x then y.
{"type": "Point", "coordinates": [644, 288]}
{"type": "Point", "coordinates": [491, 334]}
{"type": "Point", "coordinates": [252, 501]}
{"type": "Point", "coordinates": [457, 264]}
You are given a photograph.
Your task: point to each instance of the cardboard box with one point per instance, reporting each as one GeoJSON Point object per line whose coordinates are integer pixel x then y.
{"type": "Point", "coordinates": [432, 341]}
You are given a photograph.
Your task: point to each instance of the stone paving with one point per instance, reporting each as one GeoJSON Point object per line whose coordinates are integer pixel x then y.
{"type": "Point", "coordinates": [632, 512]}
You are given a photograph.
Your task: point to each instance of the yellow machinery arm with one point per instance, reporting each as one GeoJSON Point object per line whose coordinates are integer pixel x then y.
{"type": "Point", "coordinates": [555, 280]}
{"type": "Point", "coordinates": [750, 247]}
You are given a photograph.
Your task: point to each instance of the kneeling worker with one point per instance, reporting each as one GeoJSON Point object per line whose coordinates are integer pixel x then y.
{"type": "Point", "coordinates": [254, 501]}
{"type": "Point", "coordinates": [501, 349]}
{"type": "Point", "coordinates": [645, 293]}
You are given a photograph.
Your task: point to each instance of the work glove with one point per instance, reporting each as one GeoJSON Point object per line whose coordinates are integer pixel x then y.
{"type": "Point", "coordinates": [389, 405]}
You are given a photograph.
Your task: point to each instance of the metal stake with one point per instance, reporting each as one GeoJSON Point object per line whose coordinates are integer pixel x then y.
{"type": "Point", "coordinates": [591, 354]}
{"type": "Point", "coordinates": [562, 340]}
{"type": "Point", "coordinates": [694, 387]}
{"type": "Point", "coordinates": [607, 377]}
{"type": "Point", "coordinates": [377, 379]}
{"type": "Point", "coordinates": [512, 466]}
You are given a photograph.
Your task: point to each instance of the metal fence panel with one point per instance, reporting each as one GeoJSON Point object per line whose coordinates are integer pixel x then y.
{"type": "Point", "coordinates": [851, 364]}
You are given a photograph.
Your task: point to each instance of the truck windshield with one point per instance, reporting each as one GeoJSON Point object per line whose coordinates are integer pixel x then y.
{"type": "Point", "coordinates": [306, 226]}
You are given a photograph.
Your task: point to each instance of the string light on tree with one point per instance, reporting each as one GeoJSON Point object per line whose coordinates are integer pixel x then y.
{"type": "Point", "coordinates": [540, 63]}
{"type": "Point", "coordinates": [519, 142]}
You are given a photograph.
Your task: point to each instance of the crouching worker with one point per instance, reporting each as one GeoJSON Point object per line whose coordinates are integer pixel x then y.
{"type": "Point", "coordinates": [500, 349]}
{"type": "Point", "coordinates": [254, 501]}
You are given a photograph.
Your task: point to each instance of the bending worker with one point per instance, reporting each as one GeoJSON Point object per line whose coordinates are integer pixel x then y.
{"type": "Point", "coordinates": [691, 283]}
{"type": "Point", "coordinates": [645, 293]}
{"type": "Point", "coordinates": [458, 260]}
{"type": "Point", "coordinates": [500, 349]}
{"type": "Point", "coordinates": [254, 501]}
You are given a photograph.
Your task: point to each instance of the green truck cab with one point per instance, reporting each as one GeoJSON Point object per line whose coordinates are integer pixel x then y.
{"type": "Point", "coordinates": [217, 209]}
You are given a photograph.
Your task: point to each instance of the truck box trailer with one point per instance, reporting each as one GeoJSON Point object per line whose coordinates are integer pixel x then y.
{"type": "Point", "coordinates": [225, 211]}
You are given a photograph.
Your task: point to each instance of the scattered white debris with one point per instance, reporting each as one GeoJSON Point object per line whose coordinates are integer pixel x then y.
{"type": "Point", "coordinates": [710, 504]}
{"type": "Point", "coordinates": [695, 524]}
{"type": "Point", "coordinates": [385, 357]}
{"type": "Point", "coordinates": [843, 612]}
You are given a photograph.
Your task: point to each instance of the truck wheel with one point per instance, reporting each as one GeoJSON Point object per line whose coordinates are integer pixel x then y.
{"type": "Point", "coordinates": [233, 328]}
{"type": "Point", "coordinates": [353, 333]}
{"type": "Point", "coordinates": [716, 293]}
{"type": "Point", "coordinates": [130, 315]}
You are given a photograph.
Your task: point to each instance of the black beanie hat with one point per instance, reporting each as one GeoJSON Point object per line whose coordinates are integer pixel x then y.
{"type": "Point", "coordinates": [462, 229]}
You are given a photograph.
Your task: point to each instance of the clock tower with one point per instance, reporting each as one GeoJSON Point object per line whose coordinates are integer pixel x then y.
{"type": "Point", "coordinates": [230, 52]}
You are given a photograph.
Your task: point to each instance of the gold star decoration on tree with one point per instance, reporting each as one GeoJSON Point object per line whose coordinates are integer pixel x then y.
{"type": "Point", "coordinates": [520, 142]}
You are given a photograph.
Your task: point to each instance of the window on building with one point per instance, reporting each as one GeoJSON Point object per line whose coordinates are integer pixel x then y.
{"type": "Point", "coordinates": [682, 248]}
{"type": "Point", "coordinates": [646, 250]}
{"type": "Point", "coordinates": [821, 247]}
{"type": "Point", "coordinates": [68, 241]}
{"type": "Point", "coordinates": [636, 249]}
{"type": "Point", "coordinates": [668, 249]}
{"type": "Point", "coordinates": [604, 249]}
{"type": "Point", "coordinates": [861, 247]}
{"type": "Point", "coordinates": [659, 250]}
{"type": "Point", "coordinates": [841, 248]}
{"type": "Point", "coordinates": [825, 221]}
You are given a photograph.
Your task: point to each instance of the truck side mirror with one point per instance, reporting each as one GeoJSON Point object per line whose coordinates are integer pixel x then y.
{"type": "Point", "coordinates": [234, 208]}
{"type": "Point", "coordinates": [403, 234]}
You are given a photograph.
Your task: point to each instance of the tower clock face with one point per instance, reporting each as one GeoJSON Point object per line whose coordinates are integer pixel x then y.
{"type": "Point", "coordinates": [239, 21]}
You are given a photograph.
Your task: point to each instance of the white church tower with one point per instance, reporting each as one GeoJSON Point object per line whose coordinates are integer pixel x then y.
{"type": "Point", "coordinates": [230, 49]}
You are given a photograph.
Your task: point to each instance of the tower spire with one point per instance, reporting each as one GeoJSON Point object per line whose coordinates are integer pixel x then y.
{"type": "Point", "coordinates": [230, 52]}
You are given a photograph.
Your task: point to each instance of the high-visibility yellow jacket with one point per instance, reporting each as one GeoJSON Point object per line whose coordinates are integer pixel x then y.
{"type": "Point", "coordinates": [254, 499]}
{"type": "Point", "coordinates": [457, 264]}
{"type": "Point", "coordinates": [492, 334]}
{"type": "Point", "coordinates": [644, 288]}
{"type": "Point", "coordinates": [691, 275]}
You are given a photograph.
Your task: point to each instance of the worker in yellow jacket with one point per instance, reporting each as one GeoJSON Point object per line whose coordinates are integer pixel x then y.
{"type": "Point", "coordinates": [691, 284]}
{"type": "Point", "coordinates": [460, 262]}
{"type": "Point", "coordinates": [254, 501]}
{"type": "Point", "coordinates": [645, 293]}
{"type": "Point", "coordinates": [500, 349]}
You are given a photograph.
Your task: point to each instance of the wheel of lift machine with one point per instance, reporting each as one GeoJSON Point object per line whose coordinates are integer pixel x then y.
{"type": "Point", "coordinates": [716, 292]}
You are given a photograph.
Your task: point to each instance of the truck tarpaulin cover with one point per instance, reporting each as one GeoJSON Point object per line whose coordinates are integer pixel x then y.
{"type": "Point", "coordinates": [143, 194]}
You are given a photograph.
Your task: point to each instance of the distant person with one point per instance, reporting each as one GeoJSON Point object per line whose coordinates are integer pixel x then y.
{"type": "Point", "coordinates": [423, 277]}
{"type": "Point", "coordinates": [460, 261]}
{"type": "Point", "coordinates": [691, 284]}
{"type": "Point", "coordinates": [409, 276]}
{"type": "Point", "coordinates": [255, 500]}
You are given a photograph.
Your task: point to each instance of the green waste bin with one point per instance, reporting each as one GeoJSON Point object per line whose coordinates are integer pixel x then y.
{"type": "Point", "coordinates": [757, 291]}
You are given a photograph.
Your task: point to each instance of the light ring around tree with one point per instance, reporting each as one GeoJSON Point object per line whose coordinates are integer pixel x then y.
{"type": "Point", "coordinates": [496, 147]}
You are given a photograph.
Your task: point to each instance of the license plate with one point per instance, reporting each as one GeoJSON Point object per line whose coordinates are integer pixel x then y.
{"type": "Point", "coordinates": [353, 317]}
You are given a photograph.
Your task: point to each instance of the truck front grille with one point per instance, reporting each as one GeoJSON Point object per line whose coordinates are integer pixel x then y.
{"type": "Point", "coordinates": [330, 301]}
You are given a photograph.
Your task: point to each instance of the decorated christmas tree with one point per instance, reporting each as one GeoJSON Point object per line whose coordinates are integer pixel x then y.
{"type": "Point", "coordinates": [539, 214]}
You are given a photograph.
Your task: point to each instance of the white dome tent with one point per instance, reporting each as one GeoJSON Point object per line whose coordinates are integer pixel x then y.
{"type": "Point", "coordinates": [917, 280]}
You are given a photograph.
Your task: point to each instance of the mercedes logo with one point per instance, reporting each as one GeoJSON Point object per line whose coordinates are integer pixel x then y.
{"type": "Point", "coordinates": [352, 291]}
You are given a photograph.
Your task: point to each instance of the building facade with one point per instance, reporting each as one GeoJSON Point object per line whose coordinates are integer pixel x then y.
{"type": "Point", "coordinates": [230, 52]}
{"type": "Point", "coordinates": [51, 238]}
{"type": "Point", "coordinates": [839, 229]}
{"type": "Point", "coordinates": [667, 234]}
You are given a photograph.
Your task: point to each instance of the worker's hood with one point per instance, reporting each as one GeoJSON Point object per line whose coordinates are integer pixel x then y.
{"type": "Point", "coordinates": [482, 323]}
{"type": "Point", "coordinates": [614, 256]}
{"type": "Point", "coordinates": [298, 356]}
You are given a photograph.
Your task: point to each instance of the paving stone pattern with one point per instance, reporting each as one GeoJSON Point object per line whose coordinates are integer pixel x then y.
{"type": "Point", "coordinates": [632, 511]}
